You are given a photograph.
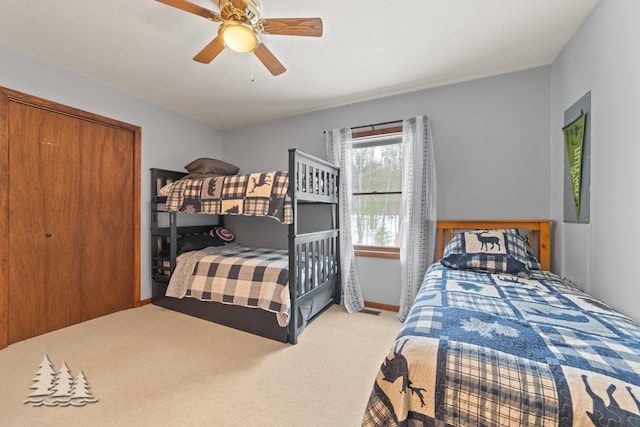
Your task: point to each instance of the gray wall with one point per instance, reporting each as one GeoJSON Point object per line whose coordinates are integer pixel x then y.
{"type": "Point", "coordinates": [602, 58]}
{"type": "Point", "coordinates": [491, 139]}
{"type": "Point", "coordinates": [168, 140]}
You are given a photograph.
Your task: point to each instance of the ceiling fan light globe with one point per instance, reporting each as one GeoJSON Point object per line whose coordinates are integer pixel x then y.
{"type": "Point", "coordinates": [239, 38]}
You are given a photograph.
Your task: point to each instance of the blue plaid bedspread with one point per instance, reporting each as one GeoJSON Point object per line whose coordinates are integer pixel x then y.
{"type": "Point", "coordinates": [481, 349]}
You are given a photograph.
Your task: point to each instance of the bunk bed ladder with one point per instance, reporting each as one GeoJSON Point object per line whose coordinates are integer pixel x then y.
{"type": "Point", "coordinates": [317, 254]}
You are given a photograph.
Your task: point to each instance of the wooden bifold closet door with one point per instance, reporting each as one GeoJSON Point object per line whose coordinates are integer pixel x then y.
{"type": "Point", "coordinates": [73, 219]}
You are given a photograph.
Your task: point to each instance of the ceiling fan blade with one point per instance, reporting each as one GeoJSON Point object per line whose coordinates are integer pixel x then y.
{"type": "Point", "coordinates": [210, 51]}
{"type": "Point", "coordinates": [192, 8]}
{"type": "Point", "coordinates": [293, 26]}
{"type": "Point", "coordinates": [269, 60]}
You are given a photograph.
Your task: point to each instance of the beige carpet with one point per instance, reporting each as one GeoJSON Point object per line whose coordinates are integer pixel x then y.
{"type": "Point", "coordinates": [153, 367]}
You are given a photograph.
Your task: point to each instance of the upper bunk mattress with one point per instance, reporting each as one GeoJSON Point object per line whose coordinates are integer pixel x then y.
{"type": "Point", "coordinates": [255, 194]}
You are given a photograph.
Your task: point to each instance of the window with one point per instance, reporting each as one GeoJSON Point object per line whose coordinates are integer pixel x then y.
{"type": "Point", "coordinates": [377, 192]}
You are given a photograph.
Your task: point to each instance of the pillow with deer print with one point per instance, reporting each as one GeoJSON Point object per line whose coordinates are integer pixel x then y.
{"type": "Point", "coordinates": [491, 251]}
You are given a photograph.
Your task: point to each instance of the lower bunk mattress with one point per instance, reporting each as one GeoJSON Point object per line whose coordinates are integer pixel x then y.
{"type": "Point", "coordinates": [495, 349]}
{"type": "Point", "coordinates": [240, 278]}
{"type": "Point", "coordinates": [234, 274]}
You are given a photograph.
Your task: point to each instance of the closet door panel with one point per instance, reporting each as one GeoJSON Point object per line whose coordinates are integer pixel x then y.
{"type": "Point", "coordinates": [42, 220]}
{"type": "Point", "coordinates": [105, 194]}
{"type": "Point", "coordinates": [70, 216]}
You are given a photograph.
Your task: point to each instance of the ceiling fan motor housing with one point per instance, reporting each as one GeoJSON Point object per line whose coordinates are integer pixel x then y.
{"type": "Point", "coordinates": [253, 11]}
{"type": "Point", "coordinates": [251, 14]}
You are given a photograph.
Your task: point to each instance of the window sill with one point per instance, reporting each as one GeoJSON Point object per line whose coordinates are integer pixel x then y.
{"type": "Point", "coordinates": [377, 252]}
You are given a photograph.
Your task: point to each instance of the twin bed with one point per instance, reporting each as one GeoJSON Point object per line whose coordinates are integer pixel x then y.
{"type": "Point", "coordinates": [494, 338]}
{"type": "Point", "coordinates": [198, 270]}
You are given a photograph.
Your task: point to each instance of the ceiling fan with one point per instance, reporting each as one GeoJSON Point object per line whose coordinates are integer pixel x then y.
{"type": "Point", "coordinates": [240, 27]}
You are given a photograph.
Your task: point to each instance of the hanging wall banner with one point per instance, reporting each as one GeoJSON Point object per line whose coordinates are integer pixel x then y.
{"type": "Point", "coordinates": [577, 161]}
{"type": "Point", "coordinates": [574, 140]}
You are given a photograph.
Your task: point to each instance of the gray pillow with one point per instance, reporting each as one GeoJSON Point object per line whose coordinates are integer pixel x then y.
{"type": "Point", "coordinates": [204, 166]}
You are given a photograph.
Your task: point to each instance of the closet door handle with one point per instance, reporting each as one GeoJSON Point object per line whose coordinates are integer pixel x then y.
{"type": "Point", "coordinates": [47, 235]}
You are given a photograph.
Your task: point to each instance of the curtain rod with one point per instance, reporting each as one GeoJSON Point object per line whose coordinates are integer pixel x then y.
{"type": "Point", "coordinates": [373, 125]}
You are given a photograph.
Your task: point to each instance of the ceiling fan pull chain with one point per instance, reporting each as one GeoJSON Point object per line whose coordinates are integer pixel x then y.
{"type": "Point", "coordinates": [252, 68]}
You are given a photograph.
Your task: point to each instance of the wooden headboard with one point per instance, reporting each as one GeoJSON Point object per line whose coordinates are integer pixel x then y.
{"type": "Point", "coordinates": [540, 237]}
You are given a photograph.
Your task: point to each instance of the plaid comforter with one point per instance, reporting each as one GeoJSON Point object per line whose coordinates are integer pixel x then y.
{"type": "Point", "coordinates": [233, 274]}
{"type": "Point", "coordinates": [491, 349]}
{"type": "Point", "coordinates": [256, 194]}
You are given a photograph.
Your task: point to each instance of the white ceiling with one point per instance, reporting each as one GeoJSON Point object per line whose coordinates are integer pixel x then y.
{"type": "Point", "coordinates": [370, 49]}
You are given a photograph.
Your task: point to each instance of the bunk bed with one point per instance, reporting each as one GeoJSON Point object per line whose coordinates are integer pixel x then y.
{"type": "Point", "coordinates": [494, 338]}
{"type": "Point", "coordinates": [308, 279]}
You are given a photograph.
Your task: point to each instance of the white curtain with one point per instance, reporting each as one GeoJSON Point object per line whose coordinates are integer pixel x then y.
{"type": "Point", "coordinates": [418, 213]}
{"type": "Point", "coordinates": [339, 153]}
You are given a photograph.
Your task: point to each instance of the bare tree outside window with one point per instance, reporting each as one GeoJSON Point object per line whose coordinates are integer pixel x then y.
{"type": "Point", "coordinates": [377, 190]}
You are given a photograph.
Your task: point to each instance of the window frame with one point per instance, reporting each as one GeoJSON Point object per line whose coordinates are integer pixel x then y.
{"type": "Point", "coordinates": [389, 252]}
